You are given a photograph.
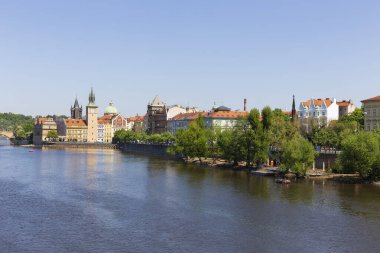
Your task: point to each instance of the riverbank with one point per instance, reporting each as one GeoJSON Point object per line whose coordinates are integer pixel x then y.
{"type": "Point", "coordinates": [268, 171]}
{"type": "Point", "coordinates": [63, 145]}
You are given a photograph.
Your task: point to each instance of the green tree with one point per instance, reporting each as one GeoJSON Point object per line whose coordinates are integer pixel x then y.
{"type": "Point", "coordinates": [193, 142]}
{"type": "Point", "coordinates": [356, 116]}
{"type": "Point", "coordinates": [360, 153]}
{"type": "Point", "coordinates": [297, 155]}
{"type": "Point", "coordinates": [231, 144]}
{"type": "Point", "coordinates": [52, 135]}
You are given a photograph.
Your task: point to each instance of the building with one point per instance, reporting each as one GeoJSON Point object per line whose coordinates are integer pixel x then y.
{"type": "Point", "coordinates": [223, 117]}
{"type": "Point", "coordinates": [109, 123]}
{"type": "Point", "coordinates": [155, 118]}
{"type": "Point", "coordinates": [92, 118]}
{"type": "Point", "coordinates": [317, 112]}
{"type": "Point", "coordinates": [76, 130]}
{"type": "Point", "coordinates": [76, 110]}
{"type": "Point", "coordinates": [42, 126]}
{"type": "Point", "coordinates": [135, 123]}
{"type": "Point", "coordinates": [182, 120]}
{"type": "Point", "coordinates": [346, 107]}
{"type": "Point", "coordinates": [371, 108]}
{"type": "Point", "coordinates": [158, 115]}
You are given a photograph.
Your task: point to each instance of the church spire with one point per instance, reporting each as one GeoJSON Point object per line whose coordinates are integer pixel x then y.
{"type": "Point", "coordinates": [294, 112]}
{"type": "Point", "coordinates": [91, 97]}
{"type": "Point", "coordinates": [76, 104]}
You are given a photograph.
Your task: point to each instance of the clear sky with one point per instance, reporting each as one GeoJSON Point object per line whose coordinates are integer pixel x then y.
{"type": "Point", "coordinates": [187, 52]}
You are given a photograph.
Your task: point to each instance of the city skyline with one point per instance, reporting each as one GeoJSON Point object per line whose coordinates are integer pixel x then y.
{"type": "Point", "coordinates": [191, 54]}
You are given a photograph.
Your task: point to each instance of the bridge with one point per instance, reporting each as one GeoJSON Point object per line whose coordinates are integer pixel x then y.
{"type": "Point", "coordinates": [7, 134]}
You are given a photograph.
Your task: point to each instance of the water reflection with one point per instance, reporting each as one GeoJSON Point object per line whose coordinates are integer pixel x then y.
{"type": "Point", "coordinates": [108, 201]}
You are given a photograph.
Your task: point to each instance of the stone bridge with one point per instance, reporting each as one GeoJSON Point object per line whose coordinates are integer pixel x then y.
{"type": "Point", "coordinates": [7, 134]}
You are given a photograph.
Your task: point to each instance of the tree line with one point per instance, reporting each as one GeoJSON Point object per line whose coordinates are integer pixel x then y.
{"type": "Point", "coordinates": [272, 133]}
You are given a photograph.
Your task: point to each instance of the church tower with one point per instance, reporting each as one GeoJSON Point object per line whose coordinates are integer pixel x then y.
{"type": "Point", "coordinates": [76, 110]}
{"type": "Point", "coordinates": [92, 118]}
{"type": "Point", "coordinates": [294, 112]}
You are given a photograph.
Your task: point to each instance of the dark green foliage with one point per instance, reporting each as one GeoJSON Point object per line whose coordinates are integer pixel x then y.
{"type": "Point", "coordinates": [297, 155]}
{"type": "Point", "coordinates": [192, 142]}
{"type": "Point", "coordinates": [360, 153]}
{"type": "Point", "coordinates": [126, 136]}
{"type": "Point", "coordinates": [10, 121]}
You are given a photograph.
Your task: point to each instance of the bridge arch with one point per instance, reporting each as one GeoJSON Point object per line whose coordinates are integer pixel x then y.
{"type": "Point", "coordinates": [7, 134]}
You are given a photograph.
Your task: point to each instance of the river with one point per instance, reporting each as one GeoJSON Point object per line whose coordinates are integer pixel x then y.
{"type": "Point", "coordinates": [109, 201]}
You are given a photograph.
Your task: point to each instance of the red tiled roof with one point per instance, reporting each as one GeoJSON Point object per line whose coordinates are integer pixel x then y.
{"type": "Point", "coordinates": [75, 123]}
{"type": "Point", "coordinates": [289, 113]}
{"type": "Point", "coordinates": [318, 102]}
{"type": "Point", "coordinates": [188, 116]}
{"type": "Point", "coordinates": [40, 120]}
{"type": "Point", "coordinates": [106, 119]}
{"type": "Point", "coordinates": [371, 99]}
{"type": "Point", "coordinates": [226, 114]}
{"type": "Point", "coordinates": [343, 103]}
{"type": "Point", "coordinates": [135, 118]}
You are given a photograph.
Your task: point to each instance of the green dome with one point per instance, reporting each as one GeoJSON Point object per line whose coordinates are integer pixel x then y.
{"type": "Point", "coordinates": [110, 109]}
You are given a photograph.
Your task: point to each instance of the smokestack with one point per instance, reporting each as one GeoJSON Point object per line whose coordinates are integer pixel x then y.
{"type": "Point", "coordinates": [245, 104]}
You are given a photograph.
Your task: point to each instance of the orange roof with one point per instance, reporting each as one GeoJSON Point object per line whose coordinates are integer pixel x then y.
{"type": "Point", "coordinates": [318, 102]}
{"type": "Point", "coordinates": [106, 119]}
{"type": "Point", "coordinates": [371, 99]}
{"type": "Point", "coordinates": [343, 103]}
{"type": "Point", "coordinates": [135, 118]}
{"type": "Point", "coordinates": [75, 123]}
{"type": "Point", "coordinates": [40, 120]}
{"type": "Point", "coordinates": [188, 116]}
{"type": "Point", "coordinates": [289, 113]}
{"type": "Point", "coordinates": [226, 114]}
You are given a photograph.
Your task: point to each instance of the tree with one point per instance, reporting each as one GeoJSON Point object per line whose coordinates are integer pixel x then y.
{"type": "Point", "coordinates": [193, 142]}
{"type": "Point", "coordinates": [266, 117]}
{"type": "Point", "coordinates": [231, 144]}
{"type": "Point", "coordinates": [52, 135]}
{"type": "Point", "coordinates": [297, 155]}
{"type": "Point", "coordinates": [360, 153]}
{"type": "Point", "coordinates": [356, 116]}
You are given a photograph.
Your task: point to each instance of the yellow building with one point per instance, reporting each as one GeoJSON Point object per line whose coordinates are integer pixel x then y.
{"type": "Point", "coordinates": [371, 113]}
{"type": "Point", "coordinates": [76, 130]}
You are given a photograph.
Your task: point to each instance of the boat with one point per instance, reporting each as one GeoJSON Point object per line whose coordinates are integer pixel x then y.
{"type": "Point", "coordinates": [31, 150]}
{"type": "Point", "coordinates": [282, 181]}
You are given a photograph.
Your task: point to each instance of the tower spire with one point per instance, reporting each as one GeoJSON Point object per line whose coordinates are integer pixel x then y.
{"type": "Point", "coordinates": [294, 112]}
{"type": "Point", "coordinates": [91, 97]}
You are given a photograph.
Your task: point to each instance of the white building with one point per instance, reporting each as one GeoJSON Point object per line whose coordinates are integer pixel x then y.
{"type": "Point", "coordinates": [318, 112]}
{"type": "Point", "coordinates": [177, 109]}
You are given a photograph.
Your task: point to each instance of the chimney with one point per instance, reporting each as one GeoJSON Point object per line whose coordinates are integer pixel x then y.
{"type": "Point", "coordinates": [245, 104]}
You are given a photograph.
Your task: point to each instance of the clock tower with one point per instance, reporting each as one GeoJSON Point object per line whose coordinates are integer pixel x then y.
{"type": "Point", "coordinates": [92, 118]}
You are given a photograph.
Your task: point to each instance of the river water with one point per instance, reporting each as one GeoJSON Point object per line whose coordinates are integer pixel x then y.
{"type": "Point", "coordinates": [108, 201]}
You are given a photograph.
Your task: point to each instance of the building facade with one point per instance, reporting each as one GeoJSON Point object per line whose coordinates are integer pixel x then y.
{"type": "Point", "coordinates": [76, 130]}
{"type": "Point", "coordinates": [42, 126]}
{"type": "Point", "coordinates": [371, 108]}
{"type": "Point", "coordinates": [346, 107]}
{"type": "Point", "coordinates": [182, 121]}
{"type": "Point", "coordinates": [92, 118]}
{"type": "Point", "coordinates": [317, 112]}
{"type": "Point", "coordinates": [109, 123]}
{"type": "Point", "coordinates": [155, 118]}
{"type": "Point", "coordinates": [135, 124]}
{"type": "Point", "coordinates": [76, 110]}
{"type": "Point", "coordinates": [223, 118]}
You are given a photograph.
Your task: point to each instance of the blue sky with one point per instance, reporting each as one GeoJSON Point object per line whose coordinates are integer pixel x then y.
{"type": "Point", "coordinates": [188, 52]}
